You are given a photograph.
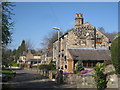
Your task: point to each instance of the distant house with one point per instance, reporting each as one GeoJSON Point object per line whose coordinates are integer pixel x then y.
{"type": "Point", "coordinates": [22, 59]}
{"type": "Point", "coordinates": [83, 41]}
{"type": "Point", "coordinates": [29, 58]}
{"type": "Point", "coordinates": [46, 57]}
{"type": "Point", "coordinates": [34, 61]}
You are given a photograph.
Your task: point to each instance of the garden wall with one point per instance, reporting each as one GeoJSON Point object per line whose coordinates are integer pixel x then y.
{"type": "Point", "coordinates": [79, 80]}
{"type": "Point", "coordinates": [84, 81]}
{"type": "Point", "coordinates": [44, 73]}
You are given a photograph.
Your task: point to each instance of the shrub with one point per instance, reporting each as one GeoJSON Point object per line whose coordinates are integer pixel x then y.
{"type": "Point", "coordinates": [43, 66]}
{"type": "Point", "coordinates": [51, 66]}
{"type": "Point", "coordinates": [115, 51]}
{"type": "Point", "coordinates": [8, 74]}
{"type": "Point", "coordinates": [79, 66]}
{"type": "Point", "coordinates": [15, 65]}
{"type": "Point", "coordinates": [100, 76]}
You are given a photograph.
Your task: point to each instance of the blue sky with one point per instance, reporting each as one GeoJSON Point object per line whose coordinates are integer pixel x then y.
{"type": "Point", "coordinates": [34, 20]}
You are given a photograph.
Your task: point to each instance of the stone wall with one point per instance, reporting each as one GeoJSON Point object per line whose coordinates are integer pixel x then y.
{"type": "Point", "coordinates": [113, 78]}
{"type": "Point", "coordinates": [88, 81]}
{"type": "Point", "coordinates": [119, 83]}
{"type": "Point", "coordinates": [82, 81]}
{"type": "Point", "coordinates": [79, 80]}
{"type": "Point", "coordinates": [44, 73]}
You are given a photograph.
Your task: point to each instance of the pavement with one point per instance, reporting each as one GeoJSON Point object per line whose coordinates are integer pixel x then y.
{"type": "Point", "coordinates": [31, 79]}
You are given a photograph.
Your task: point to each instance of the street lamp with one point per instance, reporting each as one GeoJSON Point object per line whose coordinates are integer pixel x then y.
{"type": "Point", "coordinates": [58, 30]}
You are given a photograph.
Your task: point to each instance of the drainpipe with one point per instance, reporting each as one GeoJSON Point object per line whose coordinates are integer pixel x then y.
{"type": "Point", "coordinates": [94, 37]}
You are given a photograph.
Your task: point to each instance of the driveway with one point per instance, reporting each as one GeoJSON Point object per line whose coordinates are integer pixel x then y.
{"type": "Point", "coordinates": [30, 79]}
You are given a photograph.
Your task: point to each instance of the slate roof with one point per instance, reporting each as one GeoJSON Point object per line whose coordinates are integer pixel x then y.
{"type": "Point", "coordinates": [111, 36]}
{"type": "Point", "coordinates": [90, 54]}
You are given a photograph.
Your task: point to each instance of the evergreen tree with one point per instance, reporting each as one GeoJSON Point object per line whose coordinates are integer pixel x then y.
{"type": "Point", "coordinates": [20, 50]}
{"type": "Point", "coordinates": [7, 23]}
{"type": "Point", "coordinates": [23, 47]}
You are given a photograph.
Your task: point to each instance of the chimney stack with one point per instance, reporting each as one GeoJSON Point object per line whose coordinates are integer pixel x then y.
{"type": "Point", "coordinates": [78, 19]}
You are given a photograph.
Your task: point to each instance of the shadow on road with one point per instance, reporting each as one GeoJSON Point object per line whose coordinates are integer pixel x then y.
{"type": "Point", "coordinates": [27, 79]}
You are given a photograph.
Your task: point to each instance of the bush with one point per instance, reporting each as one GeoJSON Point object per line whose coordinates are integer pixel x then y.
{"type": "Point", "coordinates": [115, 51]}
{"type": "Point", "coordinates": [43, 66]}
{"type": "Point", "coordinates": [8, 74]}
{"type": "Point", "coordinates": [34, 66]}
{"type": "Point", "coordinates": [79, 66]}
{"type": "Point", "coordinates": [100, 76]}
{"type": "Point", "coordinates": [15, 65]}
{"type": "Point", "coordinates": [49, 66]}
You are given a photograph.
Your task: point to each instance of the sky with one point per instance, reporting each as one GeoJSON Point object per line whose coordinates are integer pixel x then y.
{"type": "Point", "coordinates": [63, 0]}
{"type": "Point", "coordinates": [35, 20]}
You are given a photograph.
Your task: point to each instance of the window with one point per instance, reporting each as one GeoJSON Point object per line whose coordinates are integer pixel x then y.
{"type": "Point", "coordinates": [98, 40]}
{"type": "Point", "coordinates": [65, 66]}
{"type": "Point", "coordinates": [65, 58]}
{"type": "Point", "coordinates": [89, 64]}
{"type": "Point", "coordinates": [94, 64]}
{"type": "Point", "coordinates": [84, 64]}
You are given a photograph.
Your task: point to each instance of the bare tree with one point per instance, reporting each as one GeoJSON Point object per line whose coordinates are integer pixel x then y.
{"type": "Point", "coordinates": [48, 40]}
{"type": "Point", "coordinates": [29, 45]}
{"type": "Point", "coordinates": [101, 29]}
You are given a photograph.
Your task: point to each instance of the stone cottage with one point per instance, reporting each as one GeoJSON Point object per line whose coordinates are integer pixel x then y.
{"type": "Point", "coordinates": [46, 57]}
{"type": "Point", "coordinates": [83, 42]}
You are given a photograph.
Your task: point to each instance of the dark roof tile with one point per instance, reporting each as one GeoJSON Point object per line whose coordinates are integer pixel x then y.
{"type": "Point", "coordinates": [111, 36]}
{"type": "Point", "coordinates": [90, 54]}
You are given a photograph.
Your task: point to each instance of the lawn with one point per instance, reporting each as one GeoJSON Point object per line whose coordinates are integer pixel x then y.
{"type": "Point", "coordinates": [7, 74]}
{"type": "Point", "coordinates": [6, 71]}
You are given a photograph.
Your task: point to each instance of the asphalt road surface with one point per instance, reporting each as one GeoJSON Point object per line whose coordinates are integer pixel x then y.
{"type": "Point", "coordinates": [30, 79]}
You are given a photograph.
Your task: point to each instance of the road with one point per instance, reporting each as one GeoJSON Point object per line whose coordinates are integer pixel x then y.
{"type": "Point", "coordinates": [30, 79]}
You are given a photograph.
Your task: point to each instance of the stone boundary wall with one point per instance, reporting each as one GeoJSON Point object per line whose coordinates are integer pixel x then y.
{"type": "Point", "coordinates": [88, 81]}
{"type": "Point", "coordinates": [81, 81]}
{"type": "Point", "coordinates": [44, 73]}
